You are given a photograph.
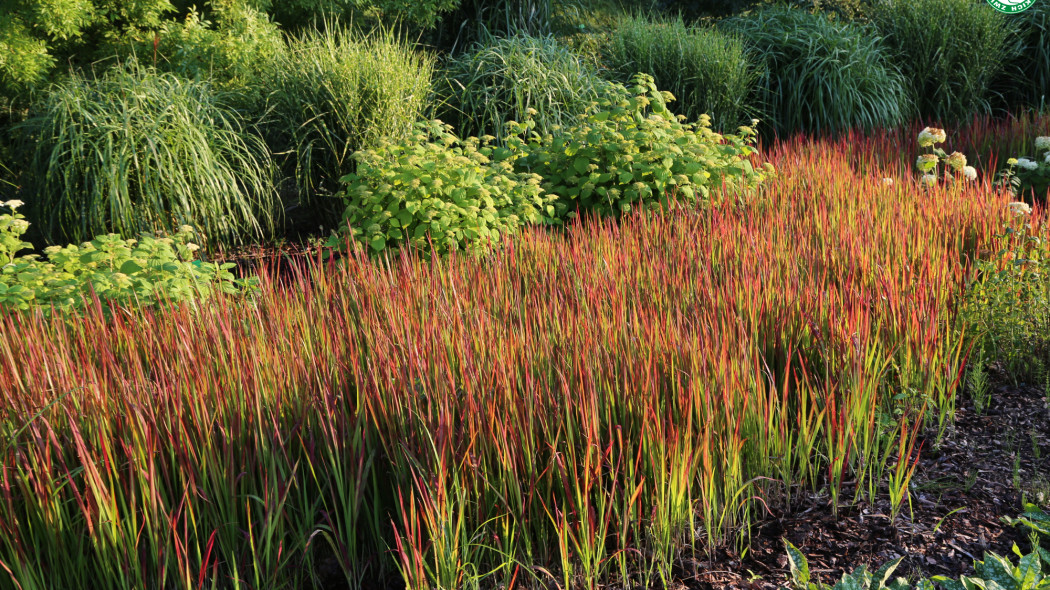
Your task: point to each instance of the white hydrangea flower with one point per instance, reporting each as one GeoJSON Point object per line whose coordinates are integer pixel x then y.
{"type": "Point", "coordinates": [1019, 208]}
{"type": "Point", "coordinates": [957, 161]}
{"type": "Point", "coordinates": [1027, 164]}
{"type": "Point", "coordinates": [970, 172]}
{"type": "Point", "coordinates": [931, 136]}
{"type": "Point", "coordinates": [1042, 143]}
{"type": "Point", "coordinates": [192, 247]}
{"type": "Point", "coordinates": [186, 229]}
{"type": "Point", "coordinates": [20, 225]}
{"type": "Point", "coordinates": [929, 179]}
{"type": "Point", "coordinates": [14, 203]}
{"type": "Point", "coordinates": [887, 181]}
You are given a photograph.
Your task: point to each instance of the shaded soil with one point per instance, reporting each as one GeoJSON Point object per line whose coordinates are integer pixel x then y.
{"type": "Point", "coordinates": [959, 493]}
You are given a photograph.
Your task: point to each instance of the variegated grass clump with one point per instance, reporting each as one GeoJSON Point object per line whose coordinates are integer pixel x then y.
{"type": "Point", "coordinates": [583, 408]}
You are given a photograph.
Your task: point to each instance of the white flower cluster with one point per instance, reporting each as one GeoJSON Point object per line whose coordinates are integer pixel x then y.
{"type": "Point", "coordinates": [1019, 208]}
{"type": "Point", "coordinates": [887, 181]}
{"type": "Point", "coordinates": [13, 204]}
{"type": "Point", "coordinates": [1042, 143]}
{"type": "Point", "coordinates": [931, 136]}
{"type": "Point", "coordinates": [1027, 164]}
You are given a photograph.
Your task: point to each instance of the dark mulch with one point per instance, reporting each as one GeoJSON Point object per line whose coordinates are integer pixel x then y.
{"type": "Point", "coordinates": [960, 491]}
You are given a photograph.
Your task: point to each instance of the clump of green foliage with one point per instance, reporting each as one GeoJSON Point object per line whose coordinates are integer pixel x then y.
{"type": "Point", "coordinates": [235, 46]}
{"type": "Point", "coordinates": [297, 13]}
{"type": "Point", "coordinates": [501, 79]}
{"type": "Point", "coordinates": [336, 93]}
{"type": "Point", "coordinates": [707, 70]}
{"type": "Point", "coordinates": [34, 34]}
{"type": "Point", "coordinates": [821, 74]}
{"type": "Point", "coordinates": [1029, 72]}
{"type": "Point", "coordinates": [1008, 301]}
{"type": "Point", "coordinates": [631, 151]}
{"type": "Point", "coordinates": [147, 270]}
{"type": "Point", "coordinates": [437, 188]}
{"type": "Point", "coordinates": [949, 51]}
{"type": "Point", "coordinates": [995, 571]}
{"type": "Point", "coordinates": [135, 150]}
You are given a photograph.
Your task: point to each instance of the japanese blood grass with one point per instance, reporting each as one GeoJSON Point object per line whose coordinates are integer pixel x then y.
{"type": "Point", "coordinates": [580, 408]}
{"type": "Point", "coordinates": [133, 150]}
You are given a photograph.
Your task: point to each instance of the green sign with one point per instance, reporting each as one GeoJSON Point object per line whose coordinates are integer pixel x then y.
{"type": "Point", "coordinates": [1011, 6]}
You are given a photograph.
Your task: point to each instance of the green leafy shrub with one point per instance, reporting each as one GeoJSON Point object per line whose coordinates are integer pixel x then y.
{"type": "Point", "coordinates": [457, 194]}
{"type": "Point", "coordinates": [632, 151]}
{"type": "Point", "coordinates": [35, 33]}
{"type": "Point", "coordinates": [336, 94]}
{"type": "Point", "coordinates": [237, 50]}
{"type": "Point", "coordinates": [860, 579]}
{"type": "Point", "coordinates": [135, 150]}
{"type": "Point", "coordinates": [149, 269]}
{"type": "Point", "coordinates": [820, 74]}
{"type": "Point", "coordinates": [708, 71]}
{"type": "Point", "coordinates": [949, 51]}
{"type": "Point", "coordinates": [298, 13]}
{"type": "Point", "coordinates": [1008, 302]}
{"type": "Point", "coordinates": [502, 79]}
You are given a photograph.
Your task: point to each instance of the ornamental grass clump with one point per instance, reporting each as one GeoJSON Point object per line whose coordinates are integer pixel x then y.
{"type": "Point", "coordinates": [949, 52]}
{"type": "Point", "coordinates": [133, 150]}
{"type": "Point", "coordinates": [820, 74]}
{"type": "Point", "coordinates": [708, 71]}
{"type": "Point", "coordinates": [337, 92]}
{"type": "Point", "coordinates": [500, 80]}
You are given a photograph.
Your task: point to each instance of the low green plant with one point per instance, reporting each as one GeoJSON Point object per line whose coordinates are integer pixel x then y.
{"type": "Point", "coordinates": [147, 270]}
{"type": "Point", "coordinates": [949, 51]}
{"type": "Point", "coordinates": [631, 151]}
{"type": "Point", "coordinates": [437, 188]}
{"type": "Point", "coordinates": [337, 93]}
{"type": "Point", "coordinates": [501, 79]}
{"type": "Point", "coordinates": [1034, 519]}
{"type": "Point", "coordinates": [134, 150]}
{"type": "Point", "coordinates": [994, 572]}
{"type": "Point", "coordinates": [707, 70]}
{"type": "Point", "coordinates": [860, 579]}
{"type": "Point", "coordinates": [1008, 300]}
{"type": "Point", "coordinates": [821, 74]}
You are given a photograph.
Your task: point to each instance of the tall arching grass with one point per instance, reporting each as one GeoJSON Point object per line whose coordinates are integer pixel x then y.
{"type": "Point", "coordinates": [708, 71]}
{"type": "Point", "coordinates": [821, 75]}
{"type": "Point", "coordinates": [501, 79]}
{"type": "Point", "coordinates": [949, 52]}
{"type": "Point", "coordinates": [135, 150]}
{"type": "Point", "coordinates": [336, 92]}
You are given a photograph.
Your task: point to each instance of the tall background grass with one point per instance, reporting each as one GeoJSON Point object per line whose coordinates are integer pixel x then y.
{"type": "Point", "coordinates": [335, 92]}
{"type": "Point", "coordinates": [135, 150]}
{"type": "Point", "coordinates": [500, 80]}
{"type": "Point", "coordinates": [708, 71]}
{"type": "Point", "coordinates": [820, 74]}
